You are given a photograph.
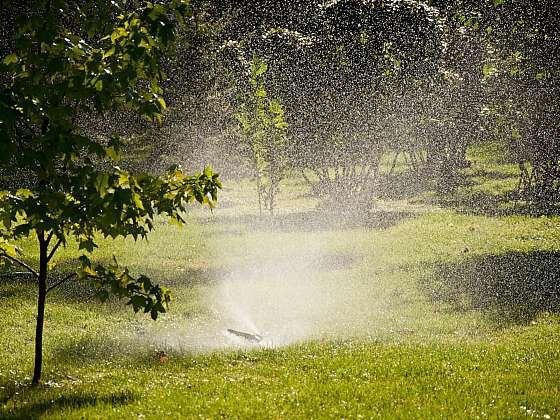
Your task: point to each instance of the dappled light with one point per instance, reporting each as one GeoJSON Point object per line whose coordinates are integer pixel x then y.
{"type": "Point", "coordinates": [510, 287]}
{"type": "Point", "coordinates": [279, 209]}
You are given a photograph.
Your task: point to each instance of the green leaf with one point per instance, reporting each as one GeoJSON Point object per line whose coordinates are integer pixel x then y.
{"type": "Point", "coordinates": [113, 153]}
{"type": "Point", "coordinates": [102, 184]}
{"type": "Point", "coordinates": [489, 70]}
{"type": "Point", "coordinates": [10, 59]}
{"type": "Point", "coordinates": [87, 244]}
{"type": "Point", "coordinates": [25, 193]}
{"type": "Point", "coordinates": [109, 52]}
{"type": "Point", "coordinates": [53, 78]}
{"type": "Point", "coordinates": [260, 92]}
{"type": "Point", "coordinates": [138, 302]}
{"type": "Point", "coordinates": [8, 249]}
{"type": "Point", "coordinates": [138, 201]}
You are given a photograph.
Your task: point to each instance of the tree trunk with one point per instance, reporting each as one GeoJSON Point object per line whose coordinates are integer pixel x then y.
{"type": "Point", "coordinates": [43, 256]}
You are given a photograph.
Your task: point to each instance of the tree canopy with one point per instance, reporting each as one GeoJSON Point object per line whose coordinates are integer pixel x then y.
{"type": "Point", "coordinates": [66, 61]}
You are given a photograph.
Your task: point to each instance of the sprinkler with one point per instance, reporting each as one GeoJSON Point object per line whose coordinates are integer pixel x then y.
{"type": "Point", "coordinates": [254, 338]}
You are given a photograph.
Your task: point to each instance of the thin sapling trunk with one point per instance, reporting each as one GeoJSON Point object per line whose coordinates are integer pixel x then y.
{"type": "Point", "coordinates": [43, 259]}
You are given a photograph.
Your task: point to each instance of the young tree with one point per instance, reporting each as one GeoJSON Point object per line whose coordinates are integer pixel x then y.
{"type": "Point", "coordinates": [261, 120]}
{"type": "Point", "coordinates": [65, 60]}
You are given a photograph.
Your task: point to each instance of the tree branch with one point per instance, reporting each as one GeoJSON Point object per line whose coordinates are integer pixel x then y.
{"type": "Point", "coordinates": [48, 241]}
{"type": "Point", "coordinates": [54, 286]}
{"type": "Point", "coordinates": [54, 250]}
{"type": "Point", "coordinates": [21, 263]}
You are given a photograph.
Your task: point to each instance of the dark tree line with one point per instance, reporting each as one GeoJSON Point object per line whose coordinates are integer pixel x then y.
{"type": "Point", "coordinates": [361, 82]}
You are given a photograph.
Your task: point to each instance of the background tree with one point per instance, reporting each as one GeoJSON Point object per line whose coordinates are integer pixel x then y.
{"type": "Point", "coordinates": [529, 63]}
{"type": "Point", "coordinates": [336, 67]}
{"type": "Point", "coordinates": [366, 82]}
{"type": "Point", "coordinates": [67, 60]}
{"type": "Point", "coordinates": [261, 120]}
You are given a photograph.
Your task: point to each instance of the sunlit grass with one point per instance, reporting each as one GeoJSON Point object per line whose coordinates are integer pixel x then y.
{"type": "Point", "coordinates": [405, 336]}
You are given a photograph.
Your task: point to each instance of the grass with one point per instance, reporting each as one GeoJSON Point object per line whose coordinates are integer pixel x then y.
{"type": "Point", "coordinates": [419, 309]}
{"type": "Point", "coordinates": [346, 379]}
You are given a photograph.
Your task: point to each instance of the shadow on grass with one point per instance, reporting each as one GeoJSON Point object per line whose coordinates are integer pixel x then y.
{"type": "Point", "coordinates": [88, 351]}
{"type": "Point", "coordinates": [411, 184]}
{"type": "Point", "coordinates": [511, 288]}
{"type": "Point", "coordinates": [16, 286]}
{"type": "Point", "coordinates": [487, 204]}
{"type": "Point", "coordinates": [493, 175]}
{"type": "Point", "coordinates": [453, 191]}
{"type": "Point", "coordinates": [315, 220]}
{"type": "Point", "coordinates": [480, 203]}
{"type": "Point", "coordinates": [405, 185]}
{"type": "Point", "coordinates": [40, 402]}
{"type": "Point", "coordinates": [26, 287]}
{"type": "Point", "coordinates": [76, 291]}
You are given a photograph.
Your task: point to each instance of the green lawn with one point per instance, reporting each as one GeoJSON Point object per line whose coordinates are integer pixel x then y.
{"type": "Point", "coordinates": [421, 308]}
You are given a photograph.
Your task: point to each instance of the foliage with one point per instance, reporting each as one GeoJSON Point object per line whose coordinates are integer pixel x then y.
{"type": "Point", "coordinates": [66, 61]}
{"type": "Point", "coordinates": [262, 122]}
{"type": "Point", "coordinates": [363, 80]}
{"type": "Point", "coordinates": [520, 79]}
{"type": "Point", "coordinates": [334, 64]}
